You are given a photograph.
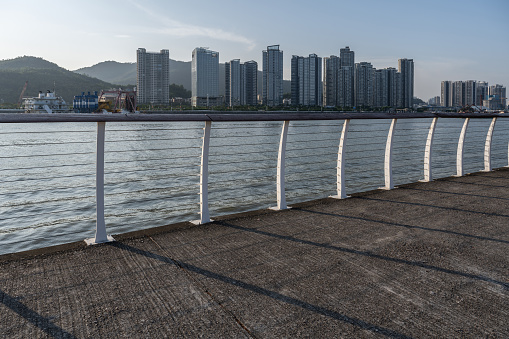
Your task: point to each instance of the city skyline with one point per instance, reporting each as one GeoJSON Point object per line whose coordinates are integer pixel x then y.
{"type": "Point", "coordinates": [446, 39]}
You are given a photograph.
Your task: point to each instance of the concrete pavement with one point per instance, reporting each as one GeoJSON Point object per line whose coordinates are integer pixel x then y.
{"type": "Point", "coordinates": [423, 260]}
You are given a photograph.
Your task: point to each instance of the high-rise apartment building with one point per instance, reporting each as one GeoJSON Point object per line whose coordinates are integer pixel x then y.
{"type": "Point", "coordinates": [497, 99]}
{"type": "Point", "coordinates": [330, 80]}
{"type": "Point", "coordinates": [272, 76]}
{"type": "Point", "coordinates": [481, 92]}
{"type": "Point", "coordinates": [458, 94]}
{"type": "Point", "coordinates": [399, 88]}
{"type": "Point", "coordinates": [205, 78]}
{"type": "Point", "coordinates": [363, 84]}
{"type": "Point", "coordinates": [306, 80]}
{"type": "Point", "coordinates": [470, 91]}
{"type": "Point", "coordinates": [379, 88]}
{"type": "Point", "coordinates": [233, 83]}
{"type": "Point", "coordinates": [241, 83]}
{"type": "Point", "coordinates": [406, 68]}
{"type": "Point", "coordinates": [346, 83]}
{"type": "Point", "coordinates": [347, 57]}
{"type": "Point", "coordinates": [394, 86]}
{"type": "Point", "coordinates": [250, 83]}
{"type": "Point", "coordinates": [153, 77]}
{"type": "Point", "coordinates": [345, 87]}
{"type": "Point", "coordinates": [385, 87]}
{"type": "Point", "coordinates": [446, 94]}
{"type": "Point", "coordinates": [294, 77]}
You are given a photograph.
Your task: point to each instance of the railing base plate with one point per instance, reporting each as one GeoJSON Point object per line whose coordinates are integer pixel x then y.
{"type": "Point", "coordinates": [386, 188]}
{"type": "Point", "coordinates": [339, 197]}
{"type": "Point", "coordinates": [275, 208]}
{"type": "Point", "coordinates": [198, 222]}
{"type": "Point", "coordinates": [91, 241]}
{"type": "Point", "coordinates": [423, 180]}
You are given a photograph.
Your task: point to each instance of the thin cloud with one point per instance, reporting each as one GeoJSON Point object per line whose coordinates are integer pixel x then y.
{"type": "Point", "coordinates": [178, 29]}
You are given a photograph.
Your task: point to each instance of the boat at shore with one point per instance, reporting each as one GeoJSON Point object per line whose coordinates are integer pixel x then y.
{"type": "Point", "coordinates": [46, 103]}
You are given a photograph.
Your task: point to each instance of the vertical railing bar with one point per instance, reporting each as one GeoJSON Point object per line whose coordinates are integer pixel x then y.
{"type": "Point", "coordinates": [507, 155]}
{"type": "Point", "coordinates": [428, 176]}
{"type": "Point", "coordinates": [459, 153]}
{"type": "Point", "coordinates": [204, 177]}
{"type": "Point", "coordinates": [487, 146]}
{"type": "Point", "coordinates": [388, 157]}
{"type": "Point", "coordinates": [340, 174]}
{"type": "Point", "coordinates": [280, 179]}
{"type": "Point", "coordinates": [100, 230]}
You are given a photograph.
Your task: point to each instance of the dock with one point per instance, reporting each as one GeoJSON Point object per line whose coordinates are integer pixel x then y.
{"type": "Point", "coordinates": [422, 260]}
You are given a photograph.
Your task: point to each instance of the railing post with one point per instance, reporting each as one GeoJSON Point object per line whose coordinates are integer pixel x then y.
{"type": "Point", "coordinates": [507, 155]}
{"type": "Point", "coordinates": [487, 146]}
{"type": "Point", "coordinates": [100, 231]}
{"type": "Point", "coordinates": [388, 157]}
{"type": "Point", "coordinates": [204, 177]}
{"type": "Point", "coordinates": [428, 151]}
{"type": "Point", "coordinates": [459, 153]}
{"type": "Point", "coordinates": [280, 180]}
{"type": "Point", "coordinates": [341, 163]}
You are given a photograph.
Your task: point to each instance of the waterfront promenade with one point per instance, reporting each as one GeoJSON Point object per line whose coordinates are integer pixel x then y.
{"type": "Point", "coordinates": [422, 260]}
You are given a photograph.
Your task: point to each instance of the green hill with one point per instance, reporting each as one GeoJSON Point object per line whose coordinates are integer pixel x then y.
{"type": "Point", "coordinates": [27, 62]}
{"type": "Point", "coordinates": [125, 73]}
{"type": "Point", "coordinates": [41, 76]}
{"type": "Point", "coordinates": [112, 71]}
{"type": "Point", "coordinates": [180, 73]}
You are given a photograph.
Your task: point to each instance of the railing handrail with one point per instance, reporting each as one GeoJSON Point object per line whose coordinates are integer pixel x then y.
{"type": "Point", "coordinates": [232, 116]}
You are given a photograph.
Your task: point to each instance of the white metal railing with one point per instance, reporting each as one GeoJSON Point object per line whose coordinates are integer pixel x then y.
{"type": "Point", "coordinates": [427, 152]}
{"type": "Point", "coordinates": [487, 146]}
{"type": "Point", "coordinates": [204, 176]}
{"type": "Point", "coordinates": [217, 118]}
{"type": "Point", "coordinates": [340, 174]}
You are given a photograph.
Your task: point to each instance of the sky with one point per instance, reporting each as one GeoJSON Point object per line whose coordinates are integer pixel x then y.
{"type": "Point", "coordinates": [447, 39]}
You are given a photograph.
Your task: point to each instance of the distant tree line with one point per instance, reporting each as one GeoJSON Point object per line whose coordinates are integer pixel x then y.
{"type": "Point", "coordinates": [178, 91]}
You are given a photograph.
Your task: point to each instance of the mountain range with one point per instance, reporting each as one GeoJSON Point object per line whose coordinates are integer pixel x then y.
{"type": "Point", "coordinates": [42, 75]}
{"type": "Point", "coordinates": [180, 74]}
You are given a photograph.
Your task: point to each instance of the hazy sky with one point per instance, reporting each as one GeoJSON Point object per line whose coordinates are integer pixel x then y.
{"type": "Point", "coordinates": [448, 39]}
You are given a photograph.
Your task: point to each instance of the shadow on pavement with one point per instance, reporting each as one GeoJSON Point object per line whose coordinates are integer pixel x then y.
{"type": "Point", "coordinates": [274, 295]}
{"type": "Point", "coordinates": [406, 226]}
{"type": "Point", "coordinates": [33, 317]}
{"type": "Point", "coordinates": [369, 254]}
